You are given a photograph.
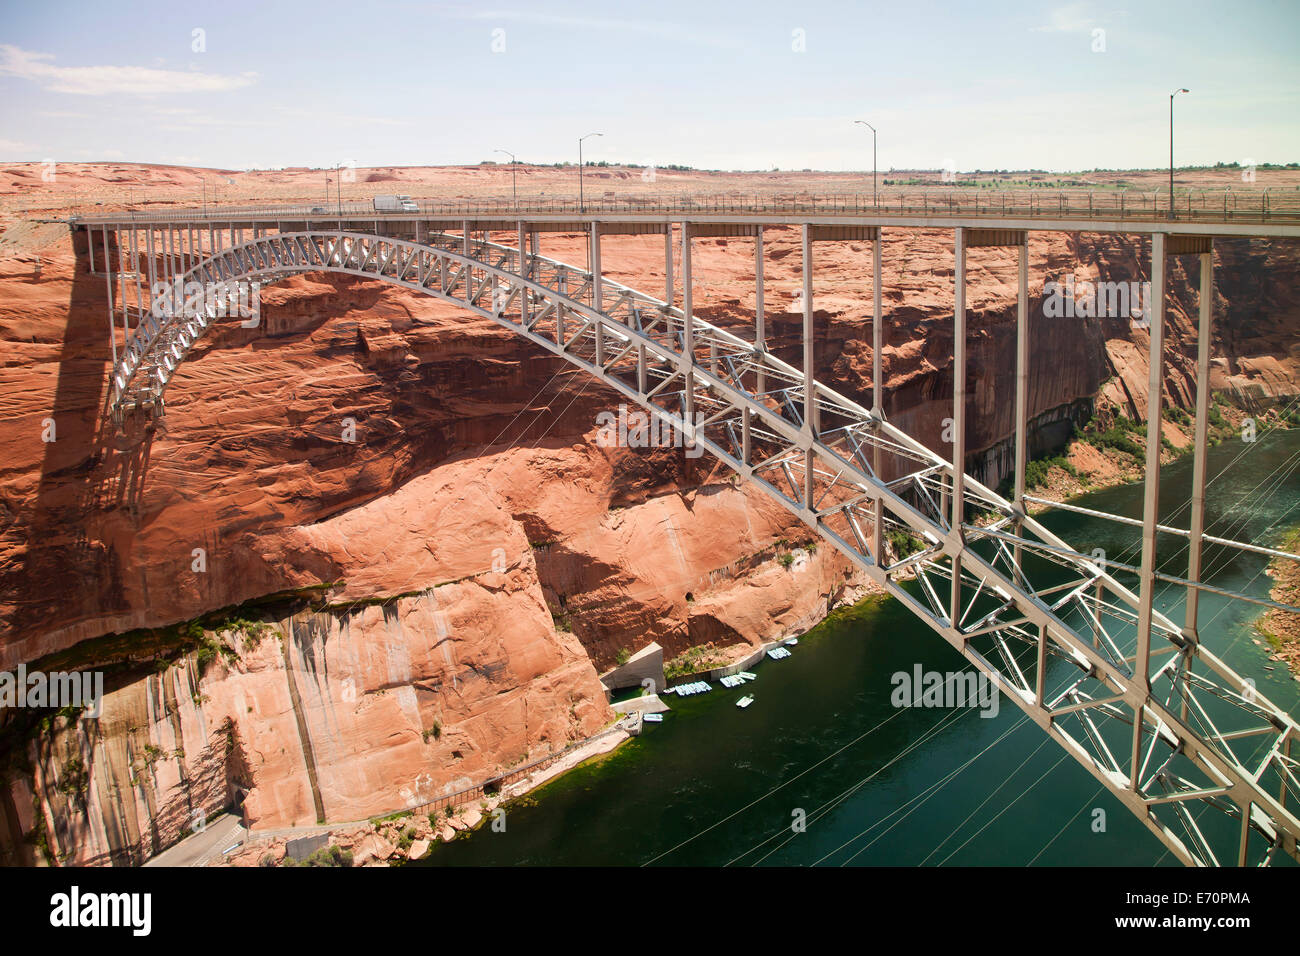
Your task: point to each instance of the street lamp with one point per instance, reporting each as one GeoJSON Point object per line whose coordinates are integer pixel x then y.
{"type": "Point", "coordinates": [1171, 148]}
{"type": "Point", "coordinates": [873, 158]}
{"type": "Point", "coordinates": [514, 164]}
{"type": "Point", "coordinates": [581, 205]}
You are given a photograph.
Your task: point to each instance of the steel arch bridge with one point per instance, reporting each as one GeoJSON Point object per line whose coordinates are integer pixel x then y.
{"type": "Point", "coordinates": [1189, 746]}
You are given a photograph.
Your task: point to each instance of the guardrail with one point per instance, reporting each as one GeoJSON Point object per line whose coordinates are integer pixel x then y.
{"type": "Point", "coordinates": [1195, 205]}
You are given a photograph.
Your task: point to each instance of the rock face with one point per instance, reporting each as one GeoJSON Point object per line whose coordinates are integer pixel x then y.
{"type": "Point", "coordinates": [464, 566]}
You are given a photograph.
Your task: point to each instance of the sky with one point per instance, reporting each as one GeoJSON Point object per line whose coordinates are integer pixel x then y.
{"type": "Point", "coordinates": [752, 85]}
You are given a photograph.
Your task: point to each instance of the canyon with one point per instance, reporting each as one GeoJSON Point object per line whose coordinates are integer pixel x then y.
{"type": "Point", "coordinates": [322, 624]}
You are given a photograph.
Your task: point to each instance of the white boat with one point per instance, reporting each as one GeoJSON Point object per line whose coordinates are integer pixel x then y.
{"type": "Point", "coordinates": [745, 701]}
{"type": "Point", "coordinates": [747, 675]}
{"type": "Point", "coordinates": [792, 642]}
{"type": "Point", "coordinates": [653, 718]}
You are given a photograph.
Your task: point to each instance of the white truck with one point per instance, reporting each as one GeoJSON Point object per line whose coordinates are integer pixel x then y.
{"type": "Point", "coordinates": [395, 204]}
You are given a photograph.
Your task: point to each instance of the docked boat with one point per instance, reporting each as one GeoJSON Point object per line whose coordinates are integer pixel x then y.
{"type": "Point", "coordinates": [653, 718]}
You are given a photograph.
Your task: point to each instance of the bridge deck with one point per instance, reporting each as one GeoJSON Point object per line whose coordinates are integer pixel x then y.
{"type": "Point", "coordinates": [1245, 213]}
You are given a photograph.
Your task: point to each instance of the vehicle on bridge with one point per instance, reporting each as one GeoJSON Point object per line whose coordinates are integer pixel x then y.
{"type": "Point", "coordinates": [395, 204]}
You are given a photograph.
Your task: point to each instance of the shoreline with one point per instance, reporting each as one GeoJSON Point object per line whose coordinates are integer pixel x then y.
{"type": "Point", "coordinates": [408, 835]}
{"type": "Point", "coordinates": [1281, 629]}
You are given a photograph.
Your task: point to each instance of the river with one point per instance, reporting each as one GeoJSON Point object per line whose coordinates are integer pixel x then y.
{"type": "Point", "coordinates": [715, 785]}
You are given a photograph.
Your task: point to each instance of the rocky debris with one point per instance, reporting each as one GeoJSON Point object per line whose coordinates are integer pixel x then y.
{"type": "Point", "coordinates": [372, 848]}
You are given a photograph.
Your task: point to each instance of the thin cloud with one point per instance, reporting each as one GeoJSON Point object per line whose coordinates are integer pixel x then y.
{"type": "Point", "coordinates": [1074, 18]}
{"type": "Point", "coordinates": [659, 28]}
{"type": "Point", "coordinates": [102, 80]}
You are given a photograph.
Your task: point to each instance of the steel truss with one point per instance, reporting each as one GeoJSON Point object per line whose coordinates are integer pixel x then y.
{"type": "Point", "coordinates": [1049, 626]}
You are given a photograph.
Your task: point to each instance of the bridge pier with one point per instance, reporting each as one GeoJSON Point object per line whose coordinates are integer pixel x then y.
{"type": "Point", "coordinates": [668, 265]}
{"type": "Point", "coordinates": [1201, 438]}
{"type": "Point", "coordinates": [1022, 394]}
{"type": "Point", "coordinates": [594, 266]}
{"type": "Point", "coordinates": [1150, 496]}
{"type": "Point", "coordinates": [810, 422]}
{"type": "Point", "coordinates": [688, 365]}
{"type": "Point", "coordinates": [877, 392]}
{"type": "Point", "coordinates": [958, 420]}
{"type": "Point", "coordinates": [760, 320]}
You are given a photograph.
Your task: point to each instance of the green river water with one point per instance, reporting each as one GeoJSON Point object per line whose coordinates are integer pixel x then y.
{"type": "Point", "coordinates": [715, 785]}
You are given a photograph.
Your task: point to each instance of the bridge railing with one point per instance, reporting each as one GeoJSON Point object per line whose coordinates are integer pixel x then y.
{"type": "Point", "coordinates": [1196, 205]}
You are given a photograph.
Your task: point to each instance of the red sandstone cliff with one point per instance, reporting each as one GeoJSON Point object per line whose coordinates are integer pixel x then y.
{"type": "Point", "coordinates": [473, 508]}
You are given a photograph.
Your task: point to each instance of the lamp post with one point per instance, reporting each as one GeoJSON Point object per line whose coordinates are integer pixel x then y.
{"type": "Point", "coordinates": [873, 158]}
{"type": "Point", "coordinates": [514, 164]}
{"type": "Point", "coordinates": [1171, 148]}
{"type": "Point", "coordinates": [581, 204]}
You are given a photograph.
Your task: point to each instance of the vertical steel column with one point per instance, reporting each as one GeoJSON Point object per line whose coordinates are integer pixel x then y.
{"type": "Point", "coordinates": [90, 247]}
{"type": "Point", "coordinates": [597, 299]}
{"type": "Point", "coordinates": [153, 267]}
{"type": "Point", "coordinates": [594, 240]}
{"type": "Point", "coordinates": [877, 390]}
{"type": "Point", "coordinates": [121, 274]}
{"type": "Point", "coordinates": [668, 263]}
{"type": "Point", "coordinates": [958, 414]}
{"type": "Point", "coordinates": [810, 423]}
{"type": "Point", "coordinates": [1201, 440]}
{"type": "Point", "coordinates": [809, 394]}
{"type": "Point", "coordinates": [1151, 496]}
{"type": "Point", "coordinates": [135, 267]}
{"type": "Point", "coordinates": [1022, 391]}
{"type": "Point", "coordinates": [112, 322]}
{"type": "Point", "coordinates": [688, 367]}
{"type": "Point", "coordinates": [523, 272]}
{"type": "Point", "coordinates": [760, 319]}
{"type": "Point", "coordinates": [108, 281]}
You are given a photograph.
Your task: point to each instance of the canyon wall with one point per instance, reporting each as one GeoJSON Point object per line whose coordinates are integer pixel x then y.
{"type": "Point", "coordinates": [473, 558]}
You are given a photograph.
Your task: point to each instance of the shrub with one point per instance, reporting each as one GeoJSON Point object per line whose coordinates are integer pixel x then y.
{"type": "Point", "coordinates": [325, 856]}
{"type": "Point", "coordinates": [905, 543]}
